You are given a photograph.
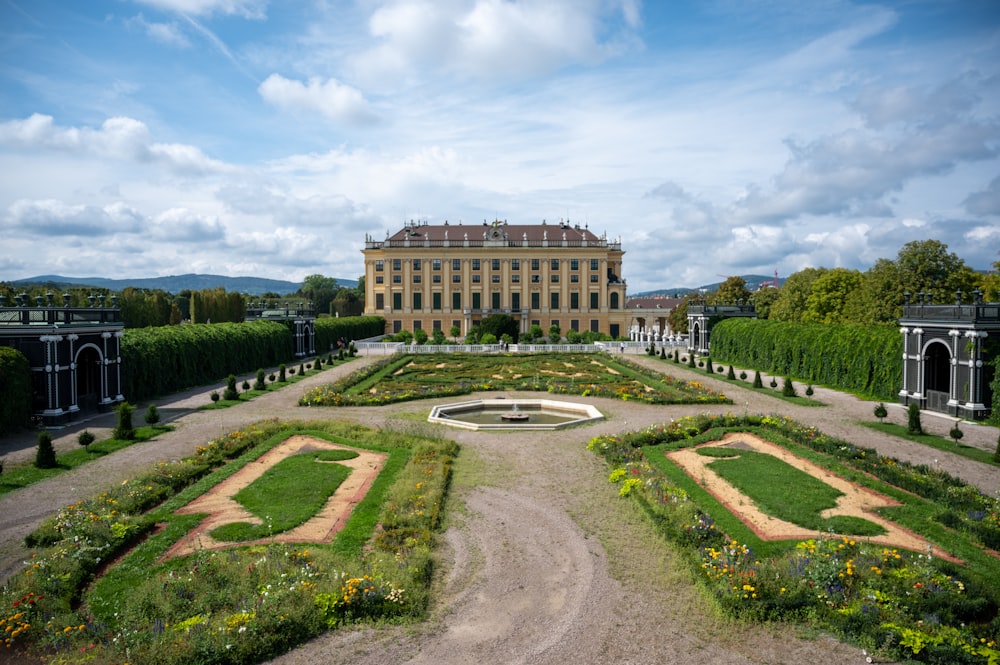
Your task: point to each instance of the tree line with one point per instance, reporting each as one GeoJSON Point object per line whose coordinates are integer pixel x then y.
{"type": "Point", "coordinates": [144, 307]}
{"type": "Point", "coordinates": [922, 269]}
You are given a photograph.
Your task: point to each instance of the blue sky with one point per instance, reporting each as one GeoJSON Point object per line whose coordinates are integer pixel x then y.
{"type": "Point", "coordinates": [245, 137]}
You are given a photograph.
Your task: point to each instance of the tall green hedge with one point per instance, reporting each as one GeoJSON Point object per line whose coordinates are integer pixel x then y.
{"type": "Point", "coordinates": [15, 390]}
{"type": "Point", "coordinates": [159, 361]}
{"type": "Point", "coordinates": [349, 328]}
{"type": "Point", "coordinates": [864, 360]}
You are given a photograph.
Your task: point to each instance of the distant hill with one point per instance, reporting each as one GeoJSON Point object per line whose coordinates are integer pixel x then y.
{"type": "Point", "coordinates": [753, 283]}
{"type": "Point", "coordinates": [254, 286]}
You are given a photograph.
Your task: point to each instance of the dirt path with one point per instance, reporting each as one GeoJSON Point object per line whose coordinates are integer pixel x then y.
{"type": "Point", "coordinates": [541, 561]}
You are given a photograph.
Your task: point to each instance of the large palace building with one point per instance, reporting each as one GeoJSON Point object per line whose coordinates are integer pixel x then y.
{"type": "Point", "coordinates": [438, 276]}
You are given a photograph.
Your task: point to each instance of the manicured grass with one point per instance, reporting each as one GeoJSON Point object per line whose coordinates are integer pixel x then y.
{"type": "Point", "coordinates": [16, 477]}
{"type": "Point", "coordinates": [784, 492]}
{"type": "Point", "coordinates": [288, 494]}
{"type": "Point", "coordinates": [290, 378]}
{"type": "Point", "coordinates": [798, 399]}
{"type": "Point", "coordinates": [933, 441]}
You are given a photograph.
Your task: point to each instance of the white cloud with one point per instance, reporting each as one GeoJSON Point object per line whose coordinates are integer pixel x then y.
{"type": "Point", "coordinates": [335, 100]}
{"type": "Point", "coordinates": [56, 218]}
{"type": "Point", "coordinates": [254, 9]}
{"type": "Point", "coordinates": [488, 39]}
{"type": "Point", "coordinates": [119, 138]}
{"type": "Point", "coordinates": [183, 225]}
{"type": "Point", "coordinates": [168, 34]}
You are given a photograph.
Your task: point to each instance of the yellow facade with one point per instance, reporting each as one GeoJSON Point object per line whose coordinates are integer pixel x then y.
{"type": "Point", "coordinates": [438, 276]}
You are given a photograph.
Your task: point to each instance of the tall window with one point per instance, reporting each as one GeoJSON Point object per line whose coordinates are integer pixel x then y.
{"type": "Point", "coordinates": [614, 301]}
{"type": "Point", "coordinates": [379, 301]}
{"type": "Point", "coordinates": [535, 264]}
{"type": "Point", "coordinates": [456, 300]}
{"type": "Point", "coordinates": [535, 300]}
{"type": "Point", "coordinates": [496, 300]}
{"type": "Point", "coordinates": [553, 264]}
{"type": "Point", "coordinates": [515, 264]}
{"type": "Point", "coordinates": [554, 300]}
{"type": "Point", "coordinates": [574, 264]}
{"type": "Point", "coordinates": [418, 300]}
{"type": "Point", "coordinates": [495, 264]}
{"type": "Point", "coordinates": [515, 301]}
{"type": "Point", "coordinates": [475, 264]}
{"type": "Point", "coordinates": [379, 265]}
{"type": "Point", "coordinates": [477, 300]}
{"type": "Point", "coordinates": [436, 264]}
{"type": "Point", "coordinates": [397, 264]}
{"type": "Point", "coordinates": [595, 264]}
{"type": "Point", "coordinates": [417, 264]}
{"type": "Point", "coordinates": [436, 300]}
{"type": "Point", "coordinates": [456, 264]}
{"type": "Point", "coordinates": [595, 300]}
{"type": "Point", "coordinates": [574, 300]}
{"type": "Point", "coordinates": [397, 301]}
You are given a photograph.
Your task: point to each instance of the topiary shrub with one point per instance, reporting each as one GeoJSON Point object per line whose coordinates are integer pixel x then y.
{"type": "Point", "coordinates": [45, 454]}
{"type": "Point", "coordinates": [708, 366]}
{"type": "Point", "coordinates": [743, 376]}
{"type": "Point", "coordinates": [259, 383]}
{"type": "Point", "coordinates": [731, 374]}
{"type": "Point", "coordinates": [663, 353]}
{"type": "Point", "coordinates": [913, 425]}
{"type": "Point", "coordinates": [152, 415]}
{"type": "Point", "coordinates": [281, 373]}
{"type": "Point", "coordinates": [788, 389]}
{"type": "Point", "coordinates": [774, 383]}
{"type": "Point", "coordinates": [231, 393]}
{"type": "Point", "coordinates": [809, 390]}
{"type": "Point", "coordinates": [757, 382]}
{"type": "Point", "coordinates": [214, 396]}
{"type": "Point", "coordinates": [956, 433]}
{"type": "Point", "coordinates": [124, 430]}
{"type": "Point", "coordinates": [85, 438]}
{"type": "Point", "coordinates": [677, 357]}
{"type": "Point", "coordinates": [690, 360]}
{"type": "Point", "coordinates": [302, 370]}
{"type": "Point", "coordinates": [880, 411]}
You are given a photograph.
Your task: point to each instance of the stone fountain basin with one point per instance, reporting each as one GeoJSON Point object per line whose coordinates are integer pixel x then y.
{"type": "Point", "coordinates": [554, 414]}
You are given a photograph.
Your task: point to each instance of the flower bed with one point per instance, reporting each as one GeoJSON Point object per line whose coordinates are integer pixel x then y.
{"type": "Point", "coordinates": [238, 605]}
{"type": "Point", "coordinates": [410, 377]}
{"type": "Point", "coordinates": [900, 603]}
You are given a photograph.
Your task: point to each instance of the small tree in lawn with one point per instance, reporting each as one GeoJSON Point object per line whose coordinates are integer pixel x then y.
{"type": "Point", "coordinates": [663, 353]}
{"type": "Point", "coordinates": [757, 382]}
{"type": "Point", "coordinates": [214, 396]}
{"type": "Point", "coordinates": [677, 357]}
{"type": "Point", "coordinates": [231, 393]}
{"type": "Point", "coordinates": [45, 454]}
{"type": "Point", "coordinates": [809, 390]}
{"type": "Point", "coordinates": [690, 359]}
{"type": "Point", "coordinates": [302, 369]}
{"type": "Point", "coordinates": [913, 425]}
{"type": "Point", "coordinates": [880, 412]}
{"type": "Point", "coordinates": [85, 438]}
{"type": "Point", "coordinates": [956, 433]}
{"type": "Point", "coordinates": [731, 374]}
{"type": "Point", "coordinates": [152, 415]}
{"type": "Point", "coordinates": [124, 430]}
{"type": "Point", "coordinates": [708, 366]}
{"type": "Point", "coordinates": [281, 373]}
{"type": "Point", "coordinates": [259, 383]}
{"type": "Point", "coordinates": [788, 388]}
{"type": "Point", "coordinates": [774, 383]}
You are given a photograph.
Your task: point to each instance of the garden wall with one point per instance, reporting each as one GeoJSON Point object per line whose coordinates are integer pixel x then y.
{"type": "Point", "coordinates": [15, 390]}
{"type": "Point", "coordinates": [348, 328]}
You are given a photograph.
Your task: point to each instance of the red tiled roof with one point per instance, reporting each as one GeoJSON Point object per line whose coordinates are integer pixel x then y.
{"type": "Point", "coordinates": [530, 232]}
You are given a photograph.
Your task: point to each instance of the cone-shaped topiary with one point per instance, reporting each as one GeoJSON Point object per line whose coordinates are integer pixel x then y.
{"type": "Point", "coordinates": [731, 374]}
{"type": "Point", "coordinates": [757, 382]}
{"type": "Point", "coordinates": [788, 388]}
{"type": "Point", "coordinates": [45, 454]}
{"type": "Point", "coordinates": [124, 430]}
{"type": "Point", "coordinates": [259, 383]}
{"type": "Point", "coordinates": [281, 373]}
{"type": "Point", "coordinates": [913, 425]}
{"type": "Point", "coordinates": [708, 366]}
{"type": "Point", "coordinates": [231, 393]}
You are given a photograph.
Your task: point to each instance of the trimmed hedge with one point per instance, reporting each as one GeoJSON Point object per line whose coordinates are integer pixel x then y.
{"type": "Point", "coordinates": [15, 390]}
{"type": "Point", "coordinates": [159, 361]}
{"type": "Point", "coordinates": [859, 359]}
{"type": "Point", "coordinates": [349, 328]}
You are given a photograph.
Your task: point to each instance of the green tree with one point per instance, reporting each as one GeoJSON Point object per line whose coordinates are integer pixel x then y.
{"type": "Point", "coordinates": [829, 295]}
{"type": "Point", "coordinates": [790, 305]}
{"type": "Point", "coordinates": [731, 291]}
{"type": "Point", "coordinates": [762, 300]}
{"type": "Point", "coordinates": [927, 266]}
{"type": "Point", "coordinates": [535, 332]}
{"type": "Point", "coordinates": [420, 336]}
{"type": "Point", "coordinates": [438, 336]}
{"type": "Point", "coordinates": [320, 290]}
{"type": "Point", "coordinates": [454, 332]}
{"type": "Point", "coordinates": [678, 317]}
{"type": "Point", "coordinates": [913, 425]}
{"type": "Point", "coordinates": [500, 325]}
{"type": "Point", "coordinates": [555, 333]}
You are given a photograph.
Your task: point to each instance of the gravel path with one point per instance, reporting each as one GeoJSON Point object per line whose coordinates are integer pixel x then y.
{"type": "Point", "coordinates": [541, 562]}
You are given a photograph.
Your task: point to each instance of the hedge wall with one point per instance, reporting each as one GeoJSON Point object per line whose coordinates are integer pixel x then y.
{"type": "Point", "coordinates": [864, 360]}
{"type": "Point", "coordinates": [159, 361]}
{"type": "Point", "coordinates": [349, 328]}
{"type": "Point", "coordinates": [15, 390]}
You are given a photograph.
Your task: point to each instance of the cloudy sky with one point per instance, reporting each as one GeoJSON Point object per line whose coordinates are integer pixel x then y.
{"type": "Point", "coordinates": [141, 138]}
